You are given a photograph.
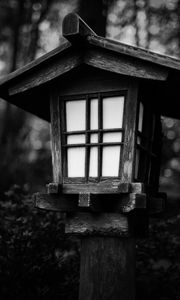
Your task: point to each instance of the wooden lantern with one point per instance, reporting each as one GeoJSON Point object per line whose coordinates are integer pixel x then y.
{"type": "Point", "coordinates": [104, 100]}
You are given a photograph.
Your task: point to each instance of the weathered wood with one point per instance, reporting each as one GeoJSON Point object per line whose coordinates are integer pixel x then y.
{"type": "Point", "coordinates": [104, 43]}
{"type": "Point", "coordinates": [107, 268]}
{"type": "Point", "coordinates": [56, 140]}
{"type": "Point", "coordinates": [53, 188]}
{"type": "Point", "coordinates": [137, 187]}
{"type": "Point", "coordinates": [74, 29]}
{"type": "Point", "coordinates": [35, 64]}
{"type": "Point", "coordinates": [132, 201]}
{"type": "Point", "coordinates": [106, 187]}
{"type": "Point", "coordinates": [124, 65]}
{"type": "Point", "coordinates": [95, 81]}
{"type": "Point", "coordinates": [103, 224]}
{"type": "Point", "coordinates": [116, 203]}
{"type": "Point", "coordinates": [136, 52]}
{"type": "Point", "coordinates": [84, 200]}
{"type": "Point", "coordinates": [103, 187]}
{"type": "Point", "coordinates": [130, 117]}
{"type": "Point", "coordinates": [125, 59]}
{"type": "Point", "coordinates": [46, 73]}
{"type": "Point", "coordinates": [53, 203]}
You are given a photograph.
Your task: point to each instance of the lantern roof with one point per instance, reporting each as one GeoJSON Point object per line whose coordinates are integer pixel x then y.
{"type": "Point", "coordinates": [31, 86]}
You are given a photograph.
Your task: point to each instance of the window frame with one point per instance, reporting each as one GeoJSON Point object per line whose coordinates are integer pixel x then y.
{"type": "Point", "coordinates": [100, 131]}
{"type": "Point", "coordinates": [149, 147]}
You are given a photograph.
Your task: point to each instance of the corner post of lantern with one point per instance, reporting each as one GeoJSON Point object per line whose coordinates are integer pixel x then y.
{"type": "Point", "coordinates": [105, 153]}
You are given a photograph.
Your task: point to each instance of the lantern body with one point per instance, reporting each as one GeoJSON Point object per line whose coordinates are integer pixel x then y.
{"type": "Point", "coordinates": [103, 134]}
{"type": "Point", "coordinates": [97, 118]}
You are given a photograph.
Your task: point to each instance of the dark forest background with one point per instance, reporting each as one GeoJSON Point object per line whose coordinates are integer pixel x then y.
{"type": "Point", "coordinates": [36, 258]}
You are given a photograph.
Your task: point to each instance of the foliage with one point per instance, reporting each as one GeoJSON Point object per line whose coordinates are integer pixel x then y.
{"type": "Point", "coordinates": [158, 261]}
{"type": "Point", "coordinates": [153, 24]}
{"type": "Point", "coordinates": [37, 260]}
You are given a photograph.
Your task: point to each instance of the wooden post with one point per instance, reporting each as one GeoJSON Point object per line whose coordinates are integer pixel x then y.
{"type": "Point", "coordinates": [107, 268]}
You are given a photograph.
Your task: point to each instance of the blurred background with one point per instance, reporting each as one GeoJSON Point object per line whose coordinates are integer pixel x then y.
{"type": "Point", "coordinates": [36, 259]}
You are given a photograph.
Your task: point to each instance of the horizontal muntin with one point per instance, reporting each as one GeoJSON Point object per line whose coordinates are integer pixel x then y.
{"type": "Point", "coordinates": [93, 131]}
{"type": "Point", "coordinates": [93, 144]}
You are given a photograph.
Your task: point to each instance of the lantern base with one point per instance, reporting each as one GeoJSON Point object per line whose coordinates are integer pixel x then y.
{"type": "Point", "coordinates": [98, 203]}
{"type": "Point", "coordinates": [106, 224]}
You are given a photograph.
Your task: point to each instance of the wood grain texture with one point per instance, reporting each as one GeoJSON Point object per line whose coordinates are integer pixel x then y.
{"type": "Point", "coordinates": [53, 188]}
{"type": "Point", "coordinates": [127, 203]}
{"type": "Point", "coordinates": [137, 187]}
{"type": "Point", "coordinates": [102, 224]}
{"type": "Point", "coordinates": [87, 80]}
{"type": "Point", "coordinates": [46, 73]}
{"type": "Point", "coordinates": [56, 140]}
{"type": "Point", "coordinates": [132, 202]}
{"type": "Point", "coordinates": [128, 158]}
{"type": "Point", "coordinates": [121, 64]}
{"type": "Point", "coordinates": [53, 202]}
{"type": "Point", "coordinates": [35, 64]}
{"type": "Point", "coordinates": [106, 187]}
{"type": "Point", "coordinates": [107, 268]}
{"type": "Point", "coordinates": [136, 52]}
{"type": "Point", "coordinates": [103, 43]}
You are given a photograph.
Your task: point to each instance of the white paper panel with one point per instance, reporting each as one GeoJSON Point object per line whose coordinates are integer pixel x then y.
{"type": "Point", "coordinates": [76, 139]}
{"type": "Point", "coordinates": [113, 112]}
{"type": "Point", "coordinates": [76, 162]}
{"type": "Point", "coordinates": [94, 138]}
{"type": "Point", "coordinates": [94, 114]}
{"type": "Point", "coordinates": [137, 163]}
{"type": "Point", "coordinates": [75, 115]}
{"type": "Point", "coordinates": [112, 137]}
{"type": "Point", "coordinates": [93, 165]}
{"type": "Point", "coordinates": [110, 160]}
{"type": "Point", "coordinates": [141, 113]}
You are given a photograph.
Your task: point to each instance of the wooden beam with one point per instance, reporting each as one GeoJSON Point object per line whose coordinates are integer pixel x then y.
{"type": "Point", "coordinates": [74, 29]}
{"type": "Point", "coordinates": [102, 203]}
{"type": "Point", "coordinates": [53, 202]}
{"type": "Point", "coordinates": [125, 65]}
{"type": "Point", "coordinates": [104, 224]}
{"type": "Point", "coordinates": [37, 63]}
{"type": "Point", "coordinates": [56, 139]}
{"type": "Point", "coordinates": [135, 52]}
{"type": "Point", "coordinates": [128, 156]}
{"type": "Point", "coordinates": [105, 187]}
{"type": "Point", "coordinates": [45, 73]}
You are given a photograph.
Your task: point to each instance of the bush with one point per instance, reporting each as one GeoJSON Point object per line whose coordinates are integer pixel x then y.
{"type": "Point", "coordinates": [158, 261]}
{"type": "Point", "coordinates": [37, 260]}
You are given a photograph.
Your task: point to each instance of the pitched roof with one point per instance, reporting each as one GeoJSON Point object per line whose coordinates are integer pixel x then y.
{"type": "Point", "coordinates": [83, 46]}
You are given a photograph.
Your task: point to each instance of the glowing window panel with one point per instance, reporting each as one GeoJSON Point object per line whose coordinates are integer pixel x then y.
{"type": "Point", "coordinates": [75, 115]}
{"type": "Point", "coordinates": [113, 108]}
{"type": "Point", "coordinates": [93, 162]}
{"type": "Point", "coordinates": [76, 162]}
{"type": "Point", "coordinates": [110, 161]}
